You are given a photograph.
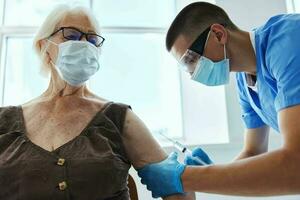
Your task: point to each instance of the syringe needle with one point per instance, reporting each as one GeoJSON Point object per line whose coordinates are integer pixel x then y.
{"type": "Point", "coordinates": [184, 149]}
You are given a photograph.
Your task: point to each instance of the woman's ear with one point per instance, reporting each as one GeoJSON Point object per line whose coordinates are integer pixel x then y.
{"type": "Point", "coordinates": [43, 45]}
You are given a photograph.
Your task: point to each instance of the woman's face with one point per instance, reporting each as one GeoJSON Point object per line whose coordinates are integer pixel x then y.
{"type": "Point", "coordinates": [78, 21]}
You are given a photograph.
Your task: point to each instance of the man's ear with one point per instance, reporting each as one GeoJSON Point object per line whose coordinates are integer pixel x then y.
{"type": "Point", "coordinates": [220, 32]}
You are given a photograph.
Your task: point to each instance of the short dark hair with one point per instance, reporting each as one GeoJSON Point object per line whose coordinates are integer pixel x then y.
{"type": "Point", "coordinates": [195, 18]}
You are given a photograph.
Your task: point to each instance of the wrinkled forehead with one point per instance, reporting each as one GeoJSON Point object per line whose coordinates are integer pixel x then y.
{"type": "Point", "coordinates": [77, 20]}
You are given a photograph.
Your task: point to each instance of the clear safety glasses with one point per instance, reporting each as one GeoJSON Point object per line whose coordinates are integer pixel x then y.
{"type": "Point", "coordinates": [190, 58]}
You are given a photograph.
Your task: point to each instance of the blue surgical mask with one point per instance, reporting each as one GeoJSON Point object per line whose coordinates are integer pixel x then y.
{"type": "Point", "coordinates": [77, 61]}
{"type": "Point", "coordinates": [212, 73]}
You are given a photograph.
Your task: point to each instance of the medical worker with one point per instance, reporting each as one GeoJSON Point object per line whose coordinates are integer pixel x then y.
{"type": "Point", "coordinates": [209, 46]}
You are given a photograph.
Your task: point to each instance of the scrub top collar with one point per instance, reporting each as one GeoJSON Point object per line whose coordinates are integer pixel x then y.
{"type": "Point", "coordinates": [252, 39]}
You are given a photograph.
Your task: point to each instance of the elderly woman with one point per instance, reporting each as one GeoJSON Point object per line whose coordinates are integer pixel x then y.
{"type": "Point", "coordinates": [69, 143]}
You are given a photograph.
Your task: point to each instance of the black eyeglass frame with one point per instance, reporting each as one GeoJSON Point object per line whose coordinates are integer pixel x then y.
{"type": "Point", "coordinates": [82, 34]}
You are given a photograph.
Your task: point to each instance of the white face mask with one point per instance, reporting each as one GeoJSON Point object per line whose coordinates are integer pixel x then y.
{"type": "Point", "coordinates": [76, 61]}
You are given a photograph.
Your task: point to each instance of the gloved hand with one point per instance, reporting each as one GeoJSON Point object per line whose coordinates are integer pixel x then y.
{"type": "Point", "coordinates": [163, 178]}
{"type": "Point", "coordinates": [193, 159]}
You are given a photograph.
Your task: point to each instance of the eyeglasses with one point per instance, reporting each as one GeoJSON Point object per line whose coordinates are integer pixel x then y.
{"type": "Point", "coordinates": [192, 55]}
{"type": "Point", "coordinates": [71, 33]}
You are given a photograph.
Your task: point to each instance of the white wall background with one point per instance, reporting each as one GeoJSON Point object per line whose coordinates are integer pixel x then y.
{"type": "Point", "coordinates": [247, 15]}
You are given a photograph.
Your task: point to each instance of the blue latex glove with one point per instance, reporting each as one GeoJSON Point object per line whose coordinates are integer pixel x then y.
{"type": "Point", "coordinates": [163, 178]}
{"type": "Point", "coordinates": [197, 153]}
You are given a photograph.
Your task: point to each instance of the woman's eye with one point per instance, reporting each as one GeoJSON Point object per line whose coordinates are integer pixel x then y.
{"type": "Point", "coordinates": [93, 41]}
{"type": "Point", "coordinates": [72, 37]}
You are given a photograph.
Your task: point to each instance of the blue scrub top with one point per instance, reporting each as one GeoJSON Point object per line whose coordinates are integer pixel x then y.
{"type": "Point", "coordinates": [277, 45]}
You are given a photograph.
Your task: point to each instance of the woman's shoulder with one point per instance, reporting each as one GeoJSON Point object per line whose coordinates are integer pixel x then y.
{"type": "Point", "coordinates": [9, 118]}
{"type": "Point", "coordinates": [8, 111]}
{"type": "Point", "coordinates": [114, 111]}
{"type": "Point", "coordinates": [107, 104]}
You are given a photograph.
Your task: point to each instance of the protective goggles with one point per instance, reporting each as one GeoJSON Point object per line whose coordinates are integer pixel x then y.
{"type": "Point", "coordinates": [192, 55]}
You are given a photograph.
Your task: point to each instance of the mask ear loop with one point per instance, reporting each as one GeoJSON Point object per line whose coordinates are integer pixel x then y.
{"type": "Point", "coordinates": [51, 62]}
{"type": "Point", "coordinates": [44, 51]}
{"type": "Point", "coordinates": [206, 42]}
{"type": "Point", "coordinates": [225, 56]}
{"type": "Point", "coordinates": [52, 42]}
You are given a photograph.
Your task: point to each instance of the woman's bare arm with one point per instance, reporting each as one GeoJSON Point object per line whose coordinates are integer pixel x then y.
{"type": "Point", "coordinates": [143, 149]}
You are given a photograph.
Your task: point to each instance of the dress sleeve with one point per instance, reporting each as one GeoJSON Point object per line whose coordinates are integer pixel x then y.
{"type": "Point", "coordinates": [10, 120]}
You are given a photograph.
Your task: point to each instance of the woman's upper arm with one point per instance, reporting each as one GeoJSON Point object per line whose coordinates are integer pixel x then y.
{"type": "Point", "coordinates": [140, 146]}
{"type": "Point", "coordinates": [143, 149]}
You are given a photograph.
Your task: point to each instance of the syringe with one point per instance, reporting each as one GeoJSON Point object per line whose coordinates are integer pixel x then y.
{"type": "Point", "coordinates": [183, 149]}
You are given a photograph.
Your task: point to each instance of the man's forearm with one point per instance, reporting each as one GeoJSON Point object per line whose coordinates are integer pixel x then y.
{"type": "Point", "coordinates": [188, 196]}
{"type": "Point", "coordinates": [274, 173]}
